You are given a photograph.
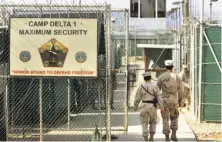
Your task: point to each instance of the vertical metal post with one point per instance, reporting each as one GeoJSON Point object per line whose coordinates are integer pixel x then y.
{"type": "Point", "coordinates": [156, 5]}
{"type": "Point", "coordinates": [68, 81]}
{"type": "Point", "coordinates": [100, 103]}
{"type": "Point", "coordinates": [200, 59]}
{"type": "Point", "coordinates": [211, 11]}
{"type": "Point", "coordinates": [126, 55]}
{"type": "Point", "coordinates": [192, 69]}
{"type": "Point", "coordinates": [6, 109]}
{"type": "Point", "coordinates": [179, 51]}
{"type": "Point", "coordinates": [195, 73]}
{"type": "Point", "coordinates": [40, 110]}
{"type": "Point", "coordinates": [176, 20]}
{"type": "Point", "coordinates": [139, 9]}
{"type": "Point", "coordinates": [177, 40]}
{"type": "Point", "coordinates": [186, 29]}
{"type": "Point", "coordinates": [108, 75]}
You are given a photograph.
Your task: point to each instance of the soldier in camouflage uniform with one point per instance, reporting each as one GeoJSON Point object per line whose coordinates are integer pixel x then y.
{"type": "Point", "coordinates": [149, 93]}
{"type": "Point", "coordinates": [170, 84]}
{"type": "Point", "coordinates": [184, 76]}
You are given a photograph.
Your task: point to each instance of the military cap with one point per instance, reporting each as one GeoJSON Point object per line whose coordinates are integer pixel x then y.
{"type": "Point", "coordinates": [146, 74]}
{"type": "Point", "coordinates": [168, 63]}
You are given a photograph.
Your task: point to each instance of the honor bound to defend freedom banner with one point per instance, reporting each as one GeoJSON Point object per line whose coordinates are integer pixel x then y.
{"type": "Point", "coordinates": [53, 47]}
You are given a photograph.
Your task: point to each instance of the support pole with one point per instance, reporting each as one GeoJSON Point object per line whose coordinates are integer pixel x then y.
{"type": "Point", "coordinates": [156, 7]}
{"type": "Point", "coordinates": [192, 69]}
{"type": "Point", "coordinates": [200, 60]}
{"type": "Point", "coordinates": [68, 82]}
{"type": "Point", "coordinates": [108, 76]}
{"type": "Point", "coordinates": [40, 110]}
{"type": "Point", "coordinates": [126, 55]}
{"type": "Point", "coordinates": [6, 113]}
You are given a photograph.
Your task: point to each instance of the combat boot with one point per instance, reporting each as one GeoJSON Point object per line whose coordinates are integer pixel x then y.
{"type": "Point", "coordinates": [174, 136]}
{"type": "Point", "coordinates": [167, 138]}
{"type": "Point", "coordinates": [151, 136]}
{"type": "Point", "coordinates": [146, 139]}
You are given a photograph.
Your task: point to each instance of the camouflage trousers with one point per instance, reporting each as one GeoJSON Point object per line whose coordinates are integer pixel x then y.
{"type": "Point", "coordinates": [171, 114]}
{"type": "Point", "coordinates": [148, 116]}
{"type": "Point", "coordinates": [186, 99]}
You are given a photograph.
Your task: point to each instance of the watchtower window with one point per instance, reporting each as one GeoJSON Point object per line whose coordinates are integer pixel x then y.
{"type": "Point", "coordinates": [148, 8]}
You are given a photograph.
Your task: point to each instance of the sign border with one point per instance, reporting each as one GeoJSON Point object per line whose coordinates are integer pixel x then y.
{"type": "Point", "coordinates": [59, 77]}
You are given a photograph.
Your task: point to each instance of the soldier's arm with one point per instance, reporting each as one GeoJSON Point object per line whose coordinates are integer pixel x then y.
{"type": "Point", "coordinates": [159, 98]}
{"type": "Point", "coordinates": [159, 83]}
{"type": "Point", "coordinates": [182, 78]}
{"type": "Point", "coordinates": [186, 85]}
{"type": "Point", "coordinates": [180, 75]}
{"type": "Point", "coordinates": [138, 97]}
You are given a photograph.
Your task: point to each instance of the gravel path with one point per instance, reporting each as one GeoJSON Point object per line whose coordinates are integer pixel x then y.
{"type": "Point", "coordinates": [204, 131]}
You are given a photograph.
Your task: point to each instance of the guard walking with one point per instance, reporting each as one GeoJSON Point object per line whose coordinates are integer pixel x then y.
{"type": "Point", "coordinates": [150, 95]}
{"type": "Point", "coordinates": [184, 76]}
{"type": "Point", "coordinates": [170, 84]}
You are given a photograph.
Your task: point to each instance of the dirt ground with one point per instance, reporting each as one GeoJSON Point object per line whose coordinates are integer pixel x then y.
{"type": "Point", "coordinates": [204, 131]}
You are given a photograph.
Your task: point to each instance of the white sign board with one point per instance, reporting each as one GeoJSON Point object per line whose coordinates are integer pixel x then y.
{"type": "Point", "coordinates": [53, 47]}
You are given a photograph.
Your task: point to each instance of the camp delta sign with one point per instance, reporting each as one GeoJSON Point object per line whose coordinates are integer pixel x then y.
{"type": "Point", "coordinates": [53, 47]}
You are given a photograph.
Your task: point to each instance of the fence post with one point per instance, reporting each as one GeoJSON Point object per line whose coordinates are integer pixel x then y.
{"type": "Point", "coordinates": [192, 69]}
{"type": "Point", "coordinates": [108, 74]}
{"type": "Point", "coordinates": [68, 82]}
{"type": "Point", "coordinates": [6, 110]}
{"type": "Point", "coordinates": [195, 72]}
{"type": "Point", "coordinates": [126, 55]}
{"type": "Point", "coordinates": [40, 109]}
{"type": "Point", "coordinates": [200, 59]}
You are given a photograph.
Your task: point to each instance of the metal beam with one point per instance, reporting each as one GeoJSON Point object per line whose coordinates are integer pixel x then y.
{"type": "Point", "coordinates": [156, 46]}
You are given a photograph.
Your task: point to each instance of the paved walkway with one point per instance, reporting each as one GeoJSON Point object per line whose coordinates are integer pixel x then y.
{"type": "Point", "coordinates": [184, 132]}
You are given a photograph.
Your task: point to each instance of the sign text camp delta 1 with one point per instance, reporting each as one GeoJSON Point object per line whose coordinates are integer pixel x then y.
{"type": "Point", "coordinates": [54, 23]}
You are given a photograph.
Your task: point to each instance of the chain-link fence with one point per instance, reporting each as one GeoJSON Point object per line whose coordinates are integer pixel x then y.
{"type": "Point", "coordinates": [206, 79]}
{"type": "Point", "coordinates": [62, 108]}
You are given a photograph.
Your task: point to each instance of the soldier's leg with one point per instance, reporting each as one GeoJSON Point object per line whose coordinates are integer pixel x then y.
{"type": "Point", "coordinates": [188, 100]}
{"type": "Point", "coordinates": [144, 119]}
{"type": "Point", "coordinates": [174, 114]}
{"type": "Point", "coordinates": [166, 127]}
{"type": "Point", "coordinates": [152, 122]}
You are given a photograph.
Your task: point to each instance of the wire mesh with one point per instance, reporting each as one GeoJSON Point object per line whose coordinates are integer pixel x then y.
{"type": "Point", "coordinates": [210, 86]}
{"type": "Point", "coordinates": [119, 69]}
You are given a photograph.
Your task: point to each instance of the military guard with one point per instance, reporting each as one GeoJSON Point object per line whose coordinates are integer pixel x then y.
{"type": "Point", "coordinates": [150, 96]}
{"type": "Point", "coordinates": [170, 84]}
